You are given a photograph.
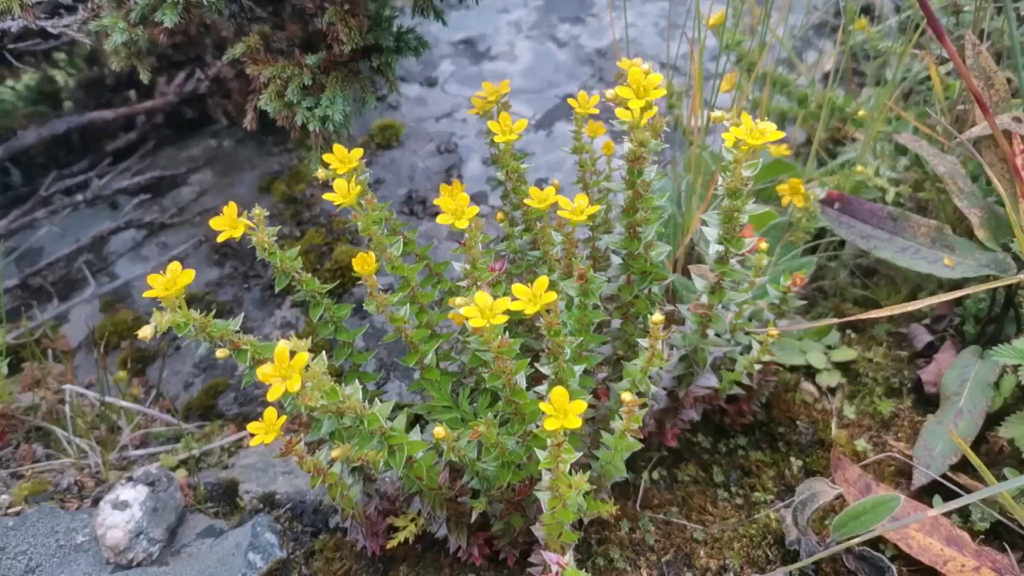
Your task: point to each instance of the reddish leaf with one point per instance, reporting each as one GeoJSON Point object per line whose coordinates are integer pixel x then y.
{"type": "Point", "coordinates": [933, 541]}
{"type": "Point", "coordinates": [932, 374]}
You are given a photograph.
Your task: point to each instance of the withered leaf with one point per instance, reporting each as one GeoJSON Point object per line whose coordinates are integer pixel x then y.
{"type": "Point", "coordinates": [987, 76]}
{"type": "Point", "coordinates": [934, 541]}
{"type": "Point", "coordinates": [931, 374]}
{"type": "Point", "coordinates": [1011, 122]}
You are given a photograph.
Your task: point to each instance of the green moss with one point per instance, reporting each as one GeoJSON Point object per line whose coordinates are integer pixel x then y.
{"type": "Point", "coordinates": [203, 406]}
{"type": "Point", "coordinates": [136, 359]}
{"type": "Point", "coordinates": [289, 188]}
{"type": "Point", "coordinates": [385, 133]}
{"type": "Point", "coordinates": [117, 327]}
{"type": "Point", "coordinates": [327, 259]}
{"type": "Point", "coordinates": [26, 489]}
{"type": "Point", "coordinates": [204, 301]}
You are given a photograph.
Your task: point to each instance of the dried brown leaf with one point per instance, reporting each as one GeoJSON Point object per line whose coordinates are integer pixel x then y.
{"type": "Point", "coordinates": [1010, 122]}
{"type": "Point", "coordinates": [920, 337]}
{"type": "Point", "coordinates": [932, 374]}
{"type": "Point", "coordinates": [987, 76]}
{"type": "Point", "coordinates": [934, 541]}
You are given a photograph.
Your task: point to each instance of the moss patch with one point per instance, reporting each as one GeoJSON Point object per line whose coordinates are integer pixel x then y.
{"type": "Point", "coordinates": [205, 302]}
{"type": "Point", "coordinates": [385, 134]}
{"type": "Point", "coordinates": [27, 489]}
{"type": "Point", "coordinates": [289, 188]}
{"type": "Point", "coordinates": [117, 327]}
{"type": "Point", "coordinates": [136, 359]}
{"type": "Point", "coordinates": [324, 257]}
{"type": "Point", "coordinates": [203, 406]}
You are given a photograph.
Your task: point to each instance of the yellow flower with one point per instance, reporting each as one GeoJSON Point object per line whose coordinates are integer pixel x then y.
{"type": "Point", "coordinates": [458, 301]}
{"type": "Point", "coordinates": [222, 353]}
{"type": "Point", "coordinates": [485, 310]}
{"type": "Point", "coordinates": [577, 210]}
{"type": "Point", "coordinates": [627, 63]}
{"type": "Point", "coordinates": [584, 104]}
{"type": "Point", "coordinates": [440, 433]}
{"type": "Point", "coordinates": [752, 133]}
{"type": "Point", "coordinates": [481, 105]}
{"type": "Point", "coordinates": [500, 216]}
{"type": "Point", "coordinates": [860, 169]}
{"type": "Point", "coordinates": [779, 150]}
{"type": "Point", "coordinates": [716, 19]}
{"type": "Point", "coordinates": [641, 88]}
{"type": "Point", "coordinates": [541, 199]}
{"type": "Point", "coordinates": [562, 413]}
{"type": "Point", "coordinates": [594, 129]}
{"type": "Point", "coordinates": [719, 116]}
{"type": "Point", "coordinates": [657, 319]}
{"type": "Point", "coordinates": [861, 24]}
{"type": "Point", "coordinates": [456, 318]}
{"type": "Point", "coordinates": [146, 333]}
{"type": "Point", "coordinates": [170, 283]}
{"type": "Point", "coordinates": [531, 299]}
{"type": "Point", "coordinates": [772, 334]}
{"type": "Point", "coordinates": [504, 129]}
{"type": "Point", "coordinates": [493, 92]}
{"type": "Point", "coordinates": [763, 246]}
{"type": "Point", "coordinates": [365, 264]}
{"type": "Point", "coordinates": [728, 83]}
{"type": "Point", "coordinates": [627, 397]}
{"type": "Point", "coordinates": [456, 212]}
{"type": "Point", "coordinates": [450, 191]}
{"type": "Point", "coordinates": [636, 116]}
{"type": "Point", "coordinates": [346, 192]}
{"type": "Point", "coordinates": [229, 224]}
{"type": "Point", "coordinates": [341, 159]}
{"type": "Point", "coordinates": [792, 191]}
{"type": "Point", "coordinates": [321, 174]}
{"type": "Point", "coordinates": [609, 95]}
{"type": "Point", "coordinates": [266, 430]}
{"type": "Point", "coordinates": [862, 113]}
{"type": "Point", "coordinates": [608, 148]}
{"type": "Point", "coordinates": [284, 373]}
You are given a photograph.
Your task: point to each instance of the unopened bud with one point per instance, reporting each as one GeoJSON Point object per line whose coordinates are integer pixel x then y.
{"type": "Point", "coordinates": [627, 397]}
{"type": "Point", "coordinates": [657, 319]}
{"type": "Point", "coordinates": [762, 246]}
{"type": "Point", "coordinates": [222, 353]}
{"type": "Point", "coordinates": [500, 216]}
{"type": "Point", "coordinates": [609, 94]}
{"type": "Point", "coordinates": [440, 433]}
{"type": "Point", "coordinates": [772, 333]}
{"type": "Point", "coordinates": [556, 185]}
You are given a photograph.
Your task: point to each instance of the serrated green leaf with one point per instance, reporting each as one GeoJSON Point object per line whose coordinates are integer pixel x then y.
{"type": "Point", "coordinates": [965, 394]}
{"type": "Point", "coordinates": [843, 354]}
{"type": "Point", "coordinates": [1013, 428]}
{"type": "Point", "coordinates": [864, 515]}
{"type": "Point", "coordinates": [1009, 353]}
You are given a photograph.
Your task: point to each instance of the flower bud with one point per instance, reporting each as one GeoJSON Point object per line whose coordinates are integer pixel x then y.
{"type": "Point", "coordinates": [556, 185]}
{"type": "Point", "coordinates": [458, 302]}
{"type": "Point", "coordinates": [609, 94]}
{"type": "Point", "coordinates": [657, 319]}
{"type": "Point", "coordinates": [146, 332]}
{"type": "Point", "coordinates": [645, 67]}
{"type": "Point", "coordinates": [772, 334]}
{"type": "Point", "coordinates": [719, 116]}
{"type": "Point", "coordinates": [222, 353]}
{"type": "Point", "coordinates": [440, 433]}
{"type": "Point", "coordinates": [862, 113]}
{"type": "Point", "coordinates": [500, 216]}
{"type": "Point", "coordinates": [336, 453]}
{"type": "Point", "coordinates": [627, 397]}
{"type": "Point", "coordinates": [762, 246]}
{"type": "Point", "coordinates": [121, 376]}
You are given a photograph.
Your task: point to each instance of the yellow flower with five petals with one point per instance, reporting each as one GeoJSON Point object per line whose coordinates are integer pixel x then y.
{"type": "Point", "coordinates": [595, 129]}
{"type": "Point", "coordinates": [584, 104]}
{"type": "Point", "coordinates": [752, 134]}
{"type": "Point", "coordinates": [229, 224]}
{"type": "Point", "coordinates": [504, 129]}
{"type": "Point", "coordinates": [266, 429]}
{"type": "Point", "coordinates": [342, 160]}
{"type": "Point", "coordinates": [486, 310]}
{"type": "Point", "coordinates": [284, 373]}
{"type": "Point", "coordinates": [608, 148]}
{"type": "Point", "coordinates": [780, 150]}
{"type": "Point", "coordinates": [541, 198]}
{"type": "Point", "coordinates": [346, 192]}
{"type": "Point", "coordinates": [636, 116]}
{"type": "Point", "coordinates": [793, 191]}
{"type": "Point", "coordinates": [456, 212]}
{"type": "Point", "coordinates": [450, 191]}
{"type": "Point", "coordinates": [576, 210]}
{"type": "Point", "coordinates": [641, 88]}
{"type": "Point", "coordinates": [365, 264]}
{"type": "Point", "coordinates": [562, 412]}
{"type": "Point", "coordinates": [531, 299]}
{"type": "Point", "coordinates": [170, 283]}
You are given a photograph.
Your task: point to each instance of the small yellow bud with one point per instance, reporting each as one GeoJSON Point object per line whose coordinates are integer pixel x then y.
{"type": "Point", "coordinates": [458, 302]}
{"type": "Point", "coordinates": [609, 94]}
{"type": "Point", "coordinates": [762, 246]}
{"type": "Point", "coordinates": [657, 319]}
{"type": "Point", "coordinates": [716, 19]}
{"type": "Point", "coordinates": [500, 216]}
{"type": "Point", "coordinates": [627, 397]}
{"type": "Point", "coordinates": [645, 67]}
{"type": "Point", "coordinates": [222, 353]}
{"type": "Point", "coordinates": [860, 169]}
{"type": "Point", "coordinates": [146, 332]}
{"type": "Point", "coordinates": [121, 376]}
{"type": "Point", "coordinates": [719, 116]}
{"type": "Point", "coordinates": [862, 113]}
{"type": "Point", "coordinates": [336, 453]}
{"type": "Point", "coordinates": [556, 185]}
{"type": "Point", "coordinates": [322, 175]}
{"type": "Point", "coordinates": [772, 333]}
{"type": "Point", "coordinates": [861, 24]}
{"type": "Point", "coordinates": [440, 433]}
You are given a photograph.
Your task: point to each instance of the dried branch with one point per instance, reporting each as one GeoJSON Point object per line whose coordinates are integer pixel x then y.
{"type": "Point", "coordinates": [124, 404]}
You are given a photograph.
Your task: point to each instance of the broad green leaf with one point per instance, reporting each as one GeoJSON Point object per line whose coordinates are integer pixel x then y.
{"type": "Point", "coordinates": [988, 221]}
{"type": "Point", "coordinates": [842, 354]}
{"type": "Point", "coordinates": [787, 352]}
{"type": "Point", "coordinates": [965, 394]}
{"type": "Point", "coordinates": [828, 379]}
{"type": "Point", "coordinates": [817, 359]}
{"type": "Point", "coordinates": [864, 515]}
{"type": "Point", "coordinates": [811, 346]}
{"type": "Point", "coordinates": [909, 241]}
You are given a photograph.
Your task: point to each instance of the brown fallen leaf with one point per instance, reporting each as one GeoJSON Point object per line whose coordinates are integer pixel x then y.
{"type": "Point", "coordinates": [931, 374]}
{"type": "Point", "coordinates": [934, 541]}
{"type": "Point", "coordinates": [920, 337]}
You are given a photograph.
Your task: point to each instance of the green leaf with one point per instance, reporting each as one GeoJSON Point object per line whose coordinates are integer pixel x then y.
{"type": "Point", "coordinates": [812, 346]}
{"type": "Point", "coordinates": [909, 241]}
{"type": "Point", "coordinates": [316, 310]}
{"type": "Point", "coordinates": [864, 515]}
{"type": "Point", "coordinates": [1013, 428]}
{"type": "Point", "coordinates": [988, 221]}
{"type": "Point", "coordinates": [843, 354]}
{"type": "Point", "coordinates": [1009, 353]}
{"type": "Point", "coordinates": [965, 394]}
{"type": "Point", "coordinates": [817, 360]}
{"type": "Point", "coordinates": [828, 378]}
{"type": "Point", "coordinates": [786, 351]}
{"type": "Point", "coordinates": [280, 282]}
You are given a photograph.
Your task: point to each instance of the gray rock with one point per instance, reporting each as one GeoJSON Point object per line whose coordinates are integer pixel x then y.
{"type": "Point", "coordinates": [266, 481]}
{"type": "Point", "coordinates": [135, 519]}
{"type": "Point", "coordinates": [48, 541]}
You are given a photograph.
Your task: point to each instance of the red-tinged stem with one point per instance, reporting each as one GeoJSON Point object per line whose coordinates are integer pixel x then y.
{"type": "Point", "coordinates": [940, 34]}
